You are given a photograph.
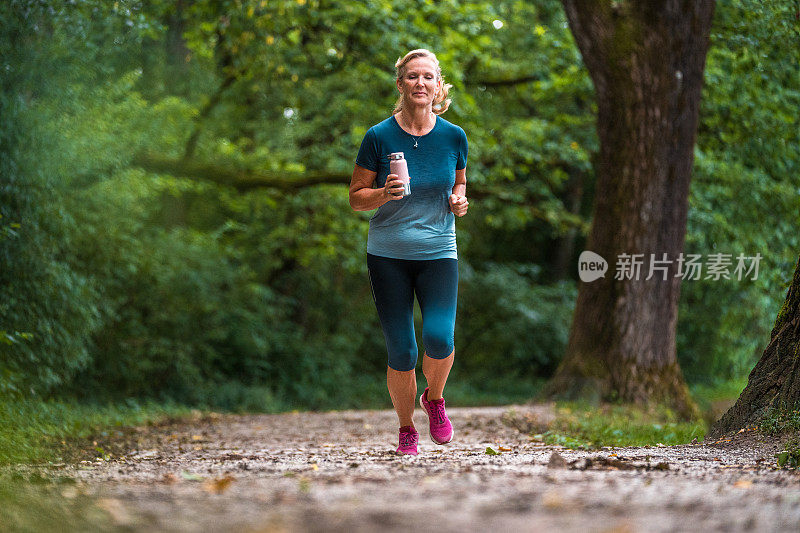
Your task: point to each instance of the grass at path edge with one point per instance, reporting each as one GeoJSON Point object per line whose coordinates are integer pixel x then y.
{"type": "Point", "coordinates": [39, 431]}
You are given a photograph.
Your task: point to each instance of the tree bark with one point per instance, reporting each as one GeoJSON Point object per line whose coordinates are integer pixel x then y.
{"type": "Point", "coordinates": [646, 60]}
{"type": "Point", "coordinates": [774, 383]}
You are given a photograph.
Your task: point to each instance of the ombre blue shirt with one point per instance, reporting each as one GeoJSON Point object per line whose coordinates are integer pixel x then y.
{"type": "Point", "coordinates": [420, 226]}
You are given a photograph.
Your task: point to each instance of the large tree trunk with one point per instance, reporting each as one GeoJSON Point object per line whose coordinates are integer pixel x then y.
{"type": "Point", "coordinates": [646, 60]}
{"type": "Point", "coordinates": [775, 380]}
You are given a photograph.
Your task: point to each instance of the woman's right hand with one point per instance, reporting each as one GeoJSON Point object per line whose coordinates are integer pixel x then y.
{"type": "Point", "coordinates": [393, 189]}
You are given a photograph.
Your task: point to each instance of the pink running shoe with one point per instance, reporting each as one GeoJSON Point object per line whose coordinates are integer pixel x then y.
{"type": "Point", "coordinates": [408, 441]}
{"type": "Point", "coordinates": [441, 429]}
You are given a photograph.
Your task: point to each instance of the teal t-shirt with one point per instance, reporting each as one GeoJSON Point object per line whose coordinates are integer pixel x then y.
{"type": "Point", "coordinates": [420, 226]}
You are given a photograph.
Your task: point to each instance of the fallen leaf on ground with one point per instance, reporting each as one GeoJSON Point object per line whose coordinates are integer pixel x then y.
{"type": "Point", "coordinates": [197, 437]}
{"type": "Point", "coordinates": [218, 486]}
{"type": "Point", "coordinates": [504, 449]}
{"type": "Point", "coordinates": [490, 451]}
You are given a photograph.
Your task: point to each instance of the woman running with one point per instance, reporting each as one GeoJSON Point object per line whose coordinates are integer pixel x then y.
{"type": "Point", "coordinates": [411, 246]}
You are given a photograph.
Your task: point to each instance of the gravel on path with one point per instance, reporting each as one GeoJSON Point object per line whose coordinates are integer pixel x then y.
{"type": "Point", "coordinates": [337, 471]}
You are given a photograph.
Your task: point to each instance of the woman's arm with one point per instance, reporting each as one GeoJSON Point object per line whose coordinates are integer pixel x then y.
{"type": "Point", "coordinates": [460, 188]}
{"type": "Point", "coordinates": [458, 197]}
{"type": "Point", "coordinates": [364, 198]}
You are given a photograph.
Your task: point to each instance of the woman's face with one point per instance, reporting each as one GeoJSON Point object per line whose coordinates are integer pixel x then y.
{"type": "Point", "coordinates": [419, 83]}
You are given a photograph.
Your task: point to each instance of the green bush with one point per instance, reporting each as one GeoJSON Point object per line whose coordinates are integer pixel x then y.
{"type": "Point", "coordinates": [39, 293]}
{"type": "Point", "coordinates": [507, 325]}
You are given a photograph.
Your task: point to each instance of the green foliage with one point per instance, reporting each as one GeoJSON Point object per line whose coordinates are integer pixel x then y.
{"type": "Point", "coordinates": [466, 388]}
{"type": "Point", "coordinates": [587, 426]}
{"type": "Point", "coordinates": [715, 399]}
{"type": "Point", "coordinates": [790, 456]}
{"type": "Point", "coordinates": [39, 294]}
{"type": "Point", "coordinates": [744, 193]}
{"type": "Point", "coordinates": [11, 337]}
{"type": "Point", "coordinates": [780, 420]}
{"type": "Point", "coordinates": [510, 326]}
{"type": "Point", "coordinates": [179, 310]}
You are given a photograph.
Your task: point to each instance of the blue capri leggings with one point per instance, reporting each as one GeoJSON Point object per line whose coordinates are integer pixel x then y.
{"type": "Point", "coordinates": [394, 283]}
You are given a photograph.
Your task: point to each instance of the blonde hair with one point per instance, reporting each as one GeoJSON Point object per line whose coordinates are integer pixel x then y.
{"type": "Point", "coordinates": [440, 100]}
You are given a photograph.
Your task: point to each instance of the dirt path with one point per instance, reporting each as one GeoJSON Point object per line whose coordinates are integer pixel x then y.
{"type": "Point", "coordinates": [337, 472]}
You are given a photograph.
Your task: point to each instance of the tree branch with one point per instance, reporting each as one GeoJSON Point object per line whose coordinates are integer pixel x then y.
{"type": "Point", "coordinates": [240, 179]}
{"type": "Point", "coordinates": [244, 180]}
{"type": "Point", "coordinates": [191, 143]}
{"type": "Point", "coordinates": [505, 83]}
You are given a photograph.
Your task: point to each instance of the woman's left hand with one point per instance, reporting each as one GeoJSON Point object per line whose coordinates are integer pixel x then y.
{"type": "Point", "coordinates": [458, 205]}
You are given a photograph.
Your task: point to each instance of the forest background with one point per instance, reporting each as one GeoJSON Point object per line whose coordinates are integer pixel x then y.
{"type": "Point", "coordinates": [175, 226]}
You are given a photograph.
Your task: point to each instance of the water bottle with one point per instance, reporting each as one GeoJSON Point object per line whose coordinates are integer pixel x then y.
{"type": "Point", "coordinates": [398, 165]}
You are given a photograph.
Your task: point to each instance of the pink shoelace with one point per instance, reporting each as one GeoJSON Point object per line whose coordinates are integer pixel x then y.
{"type": "Point", "coordinates": [437, 408]}
{"type": "Point", "coordinates": [408, 438]}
